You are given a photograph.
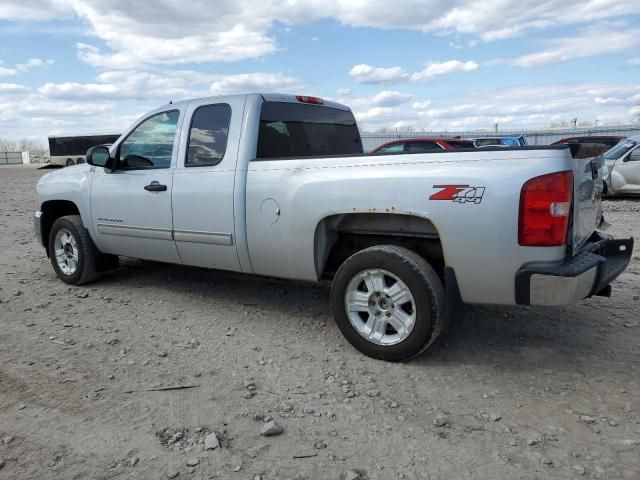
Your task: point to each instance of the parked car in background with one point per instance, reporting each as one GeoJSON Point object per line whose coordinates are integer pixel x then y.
{"type": "Point", "coordinates": [421, 145]}
{"type": "Point", "coordinates": [501, 141]}
{"type": "Point", "coordinates": [71, 150]}
{"type": "Point", "coordinates": [607, 141]}
{"type": "Point", "coordinates": [621, 172]}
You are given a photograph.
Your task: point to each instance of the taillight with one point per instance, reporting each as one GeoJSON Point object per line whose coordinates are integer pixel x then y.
{"type": "Point", "coordinates": [314, 100]}
{"type": "Point", "coordinates": [545, 207]}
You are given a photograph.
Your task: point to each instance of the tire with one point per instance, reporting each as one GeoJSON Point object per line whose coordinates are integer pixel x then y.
{"type": "Point", "coordinates": [79, 161]}
{"type": "Point", "coordinates": [88, 258]}
{"type": "Point", "coordinates": [396, 265]}
{"type": "Point", "coordinates": [69, 162]}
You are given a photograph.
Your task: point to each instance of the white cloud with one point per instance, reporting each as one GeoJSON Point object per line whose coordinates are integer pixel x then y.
{"type": "Point", "coordinates": [131, 84]}
{"type": "Point", "coordinates": [170, 85]}
{"type": "Point", "coordinates": [250, 82]}
{"type": "Point", "coordinates": [12, 88]}
{"type": "Point", "coordinates": [633, 61]}
{"type": "Point", "coordinates": [344, 92]}
{"type": "Point", "coordinates": [389, 98]}
{"type": "Point", "coordinates": [34, 63]}
{"type": "Point", "coordinates": [165, 32]}
{"type": "Point", "coordinates": [7, 72]}
{"type": "Point", "coordinates": [421, 105]}
{"type": "Point", "coordinates": [368, 74]}
{"type": "Point", "coordinates": [435, 69]}
{"type": "Point", "coordinates": [34, 9]}
{"type": "Point", "coordinates": [591, 42]}
{"type": "Point", "coordinates": [24, 67]}
{"type": "Point", "coordinates": [523, 106]}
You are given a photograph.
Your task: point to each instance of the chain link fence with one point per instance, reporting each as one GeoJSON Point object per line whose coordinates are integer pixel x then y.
{"type": "Point", "coordinates": [534, 137]}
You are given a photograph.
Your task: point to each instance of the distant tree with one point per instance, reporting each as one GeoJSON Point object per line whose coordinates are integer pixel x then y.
{"type": "Point", "coordinates": [7, 145]}
{"type": "Point", "coordinates": [32, 146]}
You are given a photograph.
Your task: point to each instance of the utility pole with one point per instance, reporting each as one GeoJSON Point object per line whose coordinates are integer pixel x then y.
{"type": "Point", "coordinates": [575, 122]}
{"type": "Point", "coordinates": [495, 127]}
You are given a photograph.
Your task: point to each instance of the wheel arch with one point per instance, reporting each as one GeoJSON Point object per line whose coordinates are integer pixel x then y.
{"type": "Point", "coordinates": [51, 211]}
{"type": "Point", "coordinates": [339, 236]}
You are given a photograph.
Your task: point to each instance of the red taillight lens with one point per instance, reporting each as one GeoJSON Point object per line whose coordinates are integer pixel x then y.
{"type": "Point", "coordinates": [314, 100]}
{"type": "Point", "coordinates": [545, 209]}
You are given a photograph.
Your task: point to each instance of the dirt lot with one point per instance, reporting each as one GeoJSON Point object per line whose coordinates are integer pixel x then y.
{"type": "Point", "coordinates": [519, 393]}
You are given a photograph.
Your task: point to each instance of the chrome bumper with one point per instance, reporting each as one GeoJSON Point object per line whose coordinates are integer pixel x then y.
{"type": "Point", "coordinates": [37, 225]}
{"type": "Point", "coordinates": [588, 273]}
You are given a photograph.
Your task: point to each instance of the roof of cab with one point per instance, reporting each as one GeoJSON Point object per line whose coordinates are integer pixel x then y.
{"type": "Point", "coordinates": [267, 97]}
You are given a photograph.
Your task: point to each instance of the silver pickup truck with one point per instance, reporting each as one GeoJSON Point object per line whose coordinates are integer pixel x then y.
{"type": "Point", "coordinates": [278, 185]}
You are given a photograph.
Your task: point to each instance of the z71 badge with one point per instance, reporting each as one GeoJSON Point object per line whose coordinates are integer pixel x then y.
{"type": "Point", "coordinates": [458, 193]}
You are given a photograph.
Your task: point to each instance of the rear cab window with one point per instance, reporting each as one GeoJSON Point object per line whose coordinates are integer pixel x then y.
{"type": "Point", "coordinates": [289, 130]}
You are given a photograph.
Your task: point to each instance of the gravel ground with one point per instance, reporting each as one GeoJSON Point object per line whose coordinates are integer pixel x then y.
{"type": "Point", "coordinates": [514, 392]}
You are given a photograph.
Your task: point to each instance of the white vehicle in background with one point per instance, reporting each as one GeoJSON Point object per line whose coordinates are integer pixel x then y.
{"type": "Point", "coordinates": [621, 173]}
{"type": "Point", "coordinates": [71, 150]}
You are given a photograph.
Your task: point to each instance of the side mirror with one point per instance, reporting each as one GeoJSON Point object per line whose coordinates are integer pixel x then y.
{"type": "Point", "coordinates": [99, 157]}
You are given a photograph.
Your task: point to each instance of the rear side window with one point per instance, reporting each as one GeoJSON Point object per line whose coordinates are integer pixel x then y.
{"type": "Point", "coordinates": [460, 144]}
{"type": "Point", "coordinates": [418, 147]}
{"type": "Point", "coordinates": [301, 130]}
{"type": "Point", "coordinates": [483, 142]}
{"type": "Point", "coordinates": [208, 135]}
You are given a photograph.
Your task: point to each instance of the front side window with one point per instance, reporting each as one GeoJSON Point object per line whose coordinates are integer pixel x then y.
{"type": "Point", "coordinates": [150, 145]}
{"type": "Point", "coordinates": [301, 130]}
{"type": "Point", "coordinates": [208, 135]}
{"type": "Point", "coordinates": [395, 148]}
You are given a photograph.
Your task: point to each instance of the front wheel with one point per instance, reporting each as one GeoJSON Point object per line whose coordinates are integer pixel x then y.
{"type": "Point", "coordinates": [73, 254]}
{"type": "Point", "coordinates": [388, 302]}
{"type": "Point", "coordinates": [69, 162]}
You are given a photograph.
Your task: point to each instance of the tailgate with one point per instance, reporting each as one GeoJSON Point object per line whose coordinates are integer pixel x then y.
{"type": "Point", "coordinates": [587, 194]}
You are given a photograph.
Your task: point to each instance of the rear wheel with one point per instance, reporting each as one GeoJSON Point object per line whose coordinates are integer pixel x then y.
{"type": "Point", "coordinates": [79, 161]}
{"type": "Point", "coordinates": [69, 162]}
{"type": "Point", "coordinates": [388, 302]}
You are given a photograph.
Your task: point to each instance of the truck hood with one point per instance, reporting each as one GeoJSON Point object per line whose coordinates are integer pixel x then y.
{"type": "Point", "coordinates": [66, 180]}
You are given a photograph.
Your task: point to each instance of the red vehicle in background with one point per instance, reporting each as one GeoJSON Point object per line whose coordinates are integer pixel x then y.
{"type": "Point", "coordinates": [422, 145]}
{"type": "Point", "coordinates": [608, 141]}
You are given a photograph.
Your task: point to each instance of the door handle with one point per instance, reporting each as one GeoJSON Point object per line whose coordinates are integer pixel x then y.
{"type": "Point", "coordinates": [155, 187]}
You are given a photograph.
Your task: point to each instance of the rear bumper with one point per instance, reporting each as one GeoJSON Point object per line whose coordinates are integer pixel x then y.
{"type": "Point", "coordinates": [588, 273]}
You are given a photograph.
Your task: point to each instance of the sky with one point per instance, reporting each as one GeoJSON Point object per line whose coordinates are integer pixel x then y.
{"type": "Point", "coordinates": [94, 66]}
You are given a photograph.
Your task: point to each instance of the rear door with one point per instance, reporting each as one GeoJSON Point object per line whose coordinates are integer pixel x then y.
{"type": "Point", "coordinates": [131, 207]}
{"type": "Point", "coordinates": [203, 184]}
{"type": "Point", "coordinates": [629, 169]}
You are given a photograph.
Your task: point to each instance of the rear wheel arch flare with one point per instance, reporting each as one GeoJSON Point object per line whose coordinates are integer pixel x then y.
{"type": "Point", "coordinates": [372, 228]}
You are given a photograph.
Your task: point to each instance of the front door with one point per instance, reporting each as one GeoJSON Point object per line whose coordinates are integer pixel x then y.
{"type": "Point", "coordinates": [131, 207]}
{"type": "Point", "coordinates": [203, 185]}
{"type": "Point", "coordinates": [630, 171]}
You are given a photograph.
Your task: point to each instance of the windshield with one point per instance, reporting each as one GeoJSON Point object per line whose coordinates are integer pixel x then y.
{"type": "Point", "coordinates": [620, 149]}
